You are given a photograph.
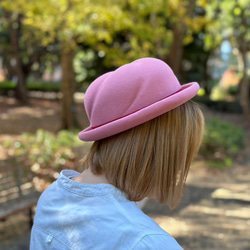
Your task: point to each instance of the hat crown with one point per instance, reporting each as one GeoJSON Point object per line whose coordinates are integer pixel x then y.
{"type": "Point", "coordinates": [128, 89]}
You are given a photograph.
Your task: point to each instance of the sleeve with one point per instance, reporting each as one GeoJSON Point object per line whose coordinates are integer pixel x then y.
{"type": "Point", "coordinates": [157, 242]}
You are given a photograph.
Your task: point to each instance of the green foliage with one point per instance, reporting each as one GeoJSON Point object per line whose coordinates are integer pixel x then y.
{"type": "Point", "coordinates": [70, 22]}
{"type": "Point", "coordinates": [218, 93]}
{"type": "Point", "coordinates": [44, 149]}
{"type": "Point", "coordinates": [222, 141]}
{"type": "Point", "coordinates": [7, 85]}
{"type": "Point", "coordinates": [222, 93]}
{"type": "Point", "coordinates": [41, 86]}
{"type": "Point", "coordinates": [84, 66]}
{"type": "Point", "coordinates": [201, 92]}
{"type": "Point", "coordinates": [108, 26]}
{"type": "Point", "coordinates": [44, 86]}
{"type": "Point", "coordinates": [228, 19]}
{"type": "Point", "coordinates": [222, 106]}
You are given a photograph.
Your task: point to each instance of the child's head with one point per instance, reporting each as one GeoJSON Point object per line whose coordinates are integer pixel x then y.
{"type": "Point", "coordinates": [146, 131]}
{"type": "Point", "coordinates": [152, 159]}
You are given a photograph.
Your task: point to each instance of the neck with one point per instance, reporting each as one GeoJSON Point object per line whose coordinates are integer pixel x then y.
{"type": "Point", "coordinates": [89, 178]}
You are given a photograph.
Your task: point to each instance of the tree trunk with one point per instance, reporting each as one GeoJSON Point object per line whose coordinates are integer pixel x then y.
{"type": "Point", "coordinates": [21, 91]}
{"type": "Point", "coordinates": [14, 28]}
{"type": "Point", "coordinates": [174, 58]}
{"type": "Point", "coordinates": [244, 88]}
{"type": "Point", "coordinates": [206, 76]}
{"type": "Point", "coordinates": [67, 88]}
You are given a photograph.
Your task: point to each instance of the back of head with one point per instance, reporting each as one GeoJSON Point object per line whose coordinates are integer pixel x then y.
{"type": "Point", "coordinates": [151, 159]}
{"type": "Point", "coordinates": [146, 129]}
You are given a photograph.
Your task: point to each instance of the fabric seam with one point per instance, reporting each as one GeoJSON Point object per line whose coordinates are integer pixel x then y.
{"type": "Point", "coordinates": [150, 234]}
{"type": "Point", "coordinates": [45, 231]}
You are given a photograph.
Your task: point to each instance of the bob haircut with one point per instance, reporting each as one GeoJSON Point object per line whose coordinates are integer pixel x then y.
{"type": "Point", "coordinates": [152, 159]}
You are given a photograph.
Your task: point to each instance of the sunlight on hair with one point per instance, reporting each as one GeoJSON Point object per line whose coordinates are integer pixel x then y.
{"type": "Point", "coordinates": [152, 159]}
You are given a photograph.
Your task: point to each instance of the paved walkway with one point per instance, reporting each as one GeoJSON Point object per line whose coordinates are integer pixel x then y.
{"type": "Point", "coordinates": [214, 212]}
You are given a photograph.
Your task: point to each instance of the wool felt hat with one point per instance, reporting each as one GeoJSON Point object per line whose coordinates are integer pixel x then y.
{"type": "Point", "coordinates": [131, 95]}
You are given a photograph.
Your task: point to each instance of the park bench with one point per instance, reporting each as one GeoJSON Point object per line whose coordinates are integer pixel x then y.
{"type": "Point", "coordinates": [17, 192]}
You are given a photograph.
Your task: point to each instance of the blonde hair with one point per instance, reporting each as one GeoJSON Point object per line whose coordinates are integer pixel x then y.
{"type": "Point", "coordinates": [152, 159]}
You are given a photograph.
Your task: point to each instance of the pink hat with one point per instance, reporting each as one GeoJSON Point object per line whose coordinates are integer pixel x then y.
{"type": "Point", "coordinates": [131, 95]}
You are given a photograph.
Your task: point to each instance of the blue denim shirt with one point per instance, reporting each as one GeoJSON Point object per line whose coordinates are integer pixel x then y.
{"type": "Point", "coordinates": [72, 215]}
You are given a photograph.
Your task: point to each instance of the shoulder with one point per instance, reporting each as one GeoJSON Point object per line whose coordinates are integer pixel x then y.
{"type": "Point", "coordinates": [158, 242]}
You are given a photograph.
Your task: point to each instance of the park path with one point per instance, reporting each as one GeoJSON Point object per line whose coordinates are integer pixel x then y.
{"type": "Point", "coordinates": [214, 212]}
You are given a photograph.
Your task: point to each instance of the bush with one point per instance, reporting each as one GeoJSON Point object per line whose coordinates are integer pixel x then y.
{"type": "Point", "coordinates": [223, 106]}
{"type": "Point", "coordinates": [45, 149]}
{"type": "Point", "coordinates": [222, 141]}
{"type": "Point", "coordinates": [7, 85]}
{"type": "Point", "coordinates": [39, 86]}
{"type": "Point", "coordinates": [44, 86]}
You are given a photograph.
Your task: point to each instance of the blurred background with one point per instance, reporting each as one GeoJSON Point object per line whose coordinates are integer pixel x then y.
{"type": "Point", "coordinates": [51, 50]}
